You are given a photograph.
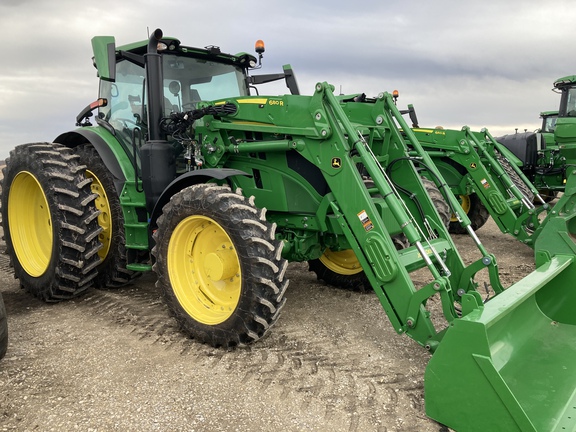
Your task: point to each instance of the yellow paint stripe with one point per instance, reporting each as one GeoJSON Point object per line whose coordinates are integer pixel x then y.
{"type": "Point", "coordinates": [423, 130]}
{"type": "Point", "coordinates": [258, 101]}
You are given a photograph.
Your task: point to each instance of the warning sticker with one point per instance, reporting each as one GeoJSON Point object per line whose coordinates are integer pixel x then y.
{"type": "Point", "coordinates": [363, 216]}
{"type": "Point", "coordinates": [485, 183]}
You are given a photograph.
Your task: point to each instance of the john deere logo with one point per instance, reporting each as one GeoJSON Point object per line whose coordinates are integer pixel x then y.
{"type": "Point", "coordinates": [336, 162]}
{"type": "Point", "coordinates": [473, 165]}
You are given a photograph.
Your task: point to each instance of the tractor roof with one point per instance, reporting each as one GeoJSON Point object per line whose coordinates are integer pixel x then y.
{"type": "Point", "coordinates": [242, 59]}
{"type": "Point", "coordinates": [564, 81]}
{"type": "Point", "coordinates": [548, 113]}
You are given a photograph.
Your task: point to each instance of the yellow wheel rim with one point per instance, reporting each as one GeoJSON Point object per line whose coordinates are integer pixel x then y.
{"type": "Point", "coordinates": [30, 224]}
{"type": "Point", "coordinates": [341, 262]}
{"type": "Point", "coordinates": [105, 216]}
{"type": "Point", "coordinates": [465, 203]}
{"type": "Point", "coordinates": [204, 270]}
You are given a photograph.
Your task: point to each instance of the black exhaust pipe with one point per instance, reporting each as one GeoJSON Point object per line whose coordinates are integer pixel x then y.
{"type": "Point", "coordinates": [156, 155]}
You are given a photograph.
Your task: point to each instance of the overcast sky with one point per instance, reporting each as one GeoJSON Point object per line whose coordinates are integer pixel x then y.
{"type": "Point", "coordinates": [478, 63]}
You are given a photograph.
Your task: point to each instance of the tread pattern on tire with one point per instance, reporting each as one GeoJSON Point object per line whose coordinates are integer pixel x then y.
{"type": "Point", "coordinates": [263, 270]}
{"type": "Point", "coordinates": [112, 271]}
{"type": "Point", "coordinates": [72, 267]}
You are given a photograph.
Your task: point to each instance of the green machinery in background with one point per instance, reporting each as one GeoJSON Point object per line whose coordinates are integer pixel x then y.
{"type": "Point", "coordinates": [549, 154]}
{"type": "Point", "coordinates": [486, 178]}
{"type": "Point", "coordinates": [192, 174]}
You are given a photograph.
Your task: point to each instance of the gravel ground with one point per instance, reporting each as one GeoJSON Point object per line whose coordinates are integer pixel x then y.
{"type": "Point", "coordinates": [114, 360]}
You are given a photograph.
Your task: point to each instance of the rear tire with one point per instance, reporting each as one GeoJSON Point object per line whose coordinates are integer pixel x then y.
{"type": "Point", "coordinates": [219, 266]}
{"type": "Point", "coordinates": [112, 272]}
{"type": "Point", "coordinates": [49, 220]}
{"type": "Point", "coordinates": [3, 329]}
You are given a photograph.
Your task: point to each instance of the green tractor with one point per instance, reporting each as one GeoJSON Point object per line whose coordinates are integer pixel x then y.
{"type": "Point", "coordinates": [190, 173]}
{"type": "Point", "coordinates": [549, 154]}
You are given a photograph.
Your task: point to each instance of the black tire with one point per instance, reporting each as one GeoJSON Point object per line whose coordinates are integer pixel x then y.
{"type": "Point", "coordinates": [547, 195]}
{"type": "Point", "coordinates": [3, 329]}
{"type": "Point", "coordinates": [438, 200]}
{"type": "Point", "coordinates": [476, 212]}
{"type": "Point", "coordinates": [49, 220]}
{"type": "Point", "coordinates": [219, 266]}
{"type": "Point", "coordinates": [342, 269]}
{"type": "Point", "coordinates": [112, 271]}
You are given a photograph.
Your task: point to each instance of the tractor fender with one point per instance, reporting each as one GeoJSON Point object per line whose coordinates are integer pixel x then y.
{"type": "Point", "coordinates": [189, 179]}
{"type": "Point", "coordinates": [75, 138]}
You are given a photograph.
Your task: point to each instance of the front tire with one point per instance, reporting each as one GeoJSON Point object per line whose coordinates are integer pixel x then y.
{"type": "Point", "coordinates": [342, 269]}
{"type": "Point", "coordinates": [219, 266]}
{"type": "Point", "coordinates": [476, 212]}
{"type": "Point", "coordinates": [49, 220]}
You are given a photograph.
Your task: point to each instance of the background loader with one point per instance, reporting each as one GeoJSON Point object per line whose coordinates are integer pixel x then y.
{"type": "Point", "coordinates": [215, 189]}
{"type": "Point", "coordinates": [486, 178]}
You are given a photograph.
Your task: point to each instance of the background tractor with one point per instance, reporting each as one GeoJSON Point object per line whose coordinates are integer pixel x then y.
{"type": "Point", "coordinates": [191, 173]}
{"type": "Point", "coordinates": [549, 154]}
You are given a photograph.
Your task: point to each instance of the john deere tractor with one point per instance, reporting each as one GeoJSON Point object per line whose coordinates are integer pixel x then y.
{"type": "Point", "coordinates": [190, 173]}
{"type": "Point", "coordinates": [549, 154]}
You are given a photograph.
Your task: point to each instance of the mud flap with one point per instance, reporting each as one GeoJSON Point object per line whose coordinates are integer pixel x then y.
{"type": "Point", "coordinates": [511, 365]}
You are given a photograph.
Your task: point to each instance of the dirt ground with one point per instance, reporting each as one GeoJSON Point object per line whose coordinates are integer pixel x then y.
{"type": "Point", "coordinates": [114, 360]}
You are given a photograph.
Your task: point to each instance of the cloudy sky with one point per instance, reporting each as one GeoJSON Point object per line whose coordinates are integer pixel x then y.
{"type": "Point", "coordinates": [478, 63]}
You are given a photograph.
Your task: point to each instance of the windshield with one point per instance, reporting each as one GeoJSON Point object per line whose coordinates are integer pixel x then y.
{"type": "Point", "coordinates": [549, 123]}
{"type": "Point", "coordinates": [126, 95]}
{"type": "Point", "coordinates": [570, 102]}
{"type": "Point", "coordinates": [188, 81]}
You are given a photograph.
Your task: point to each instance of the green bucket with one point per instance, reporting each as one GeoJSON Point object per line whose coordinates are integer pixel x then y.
{"type": "Point", "coordinates": [511, 365]}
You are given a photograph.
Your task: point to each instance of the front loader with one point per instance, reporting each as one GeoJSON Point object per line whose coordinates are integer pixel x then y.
{"type": "Point", "coordinates": [220, 188]}
{"type": "Point", "coordinates": [486, 178]}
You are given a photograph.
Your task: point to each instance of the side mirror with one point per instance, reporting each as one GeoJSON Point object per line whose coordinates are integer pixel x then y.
{"type": "Point", "coordinates": [104, 49]}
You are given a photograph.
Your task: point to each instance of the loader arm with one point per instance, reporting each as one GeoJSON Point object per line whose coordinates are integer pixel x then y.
{"type": "Point", "coordinates": [336, 146]}
{"type": "Point", "coordinates": [486, 170]}
{"type": "Point", "coordinates": [480, 357]}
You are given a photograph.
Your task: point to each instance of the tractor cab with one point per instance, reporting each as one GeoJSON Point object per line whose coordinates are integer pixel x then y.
{"type": "Point", "coordinates": [188, 76]}
{"type": "Point", "coordinates": [549, 119]}
{"type": "Point", "coordinates": [565, 130]}
{"type": "Point", "coordinates": [184, 77]}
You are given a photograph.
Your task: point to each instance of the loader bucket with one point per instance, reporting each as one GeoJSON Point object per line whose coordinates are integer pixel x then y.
{"type": "Point", "coordinates": [511, 365]}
